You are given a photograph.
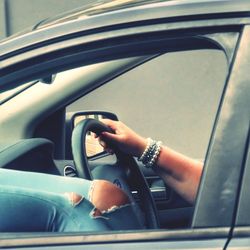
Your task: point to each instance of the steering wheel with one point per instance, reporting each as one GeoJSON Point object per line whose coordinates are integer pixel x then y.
{"type": "Point", "coordinates": [126, 171]}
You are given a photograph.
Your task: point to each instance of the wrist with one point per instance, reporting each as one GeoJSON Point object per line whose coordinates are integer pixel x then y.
{"type": "Point", "coordinates": [151, 153]}
{"type": "Point", "coordinates": [142, 144]}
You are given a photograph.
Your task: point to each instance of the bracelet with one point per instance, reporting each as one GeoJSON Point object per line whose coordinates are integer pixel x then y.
{"type": "Point", "coordinates": [147, 149]}
{"type": "Point", "coordinates": [151, 153]}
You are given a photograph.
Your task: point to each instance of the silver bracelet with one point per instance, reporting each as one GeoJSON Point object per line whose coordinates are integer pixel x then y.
{"type": "Point", "coordinates": [147, 149]}
{"type": "Point", "coordinates": [151, 153]}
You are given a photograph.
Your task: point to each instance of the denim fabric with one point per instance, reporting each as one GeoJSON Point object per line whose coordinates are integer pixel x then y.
{"type": "Point", "coordinates": [38, 202]}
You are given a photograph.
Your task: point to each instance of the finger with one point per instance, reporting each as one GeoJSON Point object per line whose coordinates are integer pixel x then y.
{"type": "Point", "coordinates": [110, 137]}
{"type": "Point", "coordinates": [110, 123]}
{"type": "Point", "coordinates": [105, 146]}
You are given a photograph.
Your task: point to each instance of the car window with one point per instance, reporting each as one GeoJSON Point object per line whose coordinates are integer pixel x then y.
{"type": "Point", "coordinates": [173, 98]}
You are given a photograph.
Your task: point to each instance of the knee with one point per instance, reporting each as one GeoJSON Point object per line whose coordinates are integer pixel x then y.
{"type": "Point", "coordinates": [105, 195]}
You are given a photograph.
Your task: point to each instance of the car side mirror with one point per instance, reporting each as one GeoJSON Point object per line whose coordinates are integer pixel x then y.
{"type": "Point", "coordinates": [93, 148]}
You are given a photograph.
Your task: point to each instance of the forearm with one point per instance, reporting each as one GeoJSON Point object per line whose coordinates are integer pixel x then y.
{"type": "Point", "coordinates": [180, 172]}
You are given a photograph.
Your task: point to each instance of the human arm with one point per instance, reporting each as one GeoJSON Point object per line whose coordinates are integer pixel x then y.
{"type": "Point", "coordinates": [180, 172]}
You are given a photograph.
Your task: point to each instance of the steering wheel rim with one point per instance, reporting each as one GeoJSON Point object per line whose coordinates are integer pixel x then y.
{"type": "Point", "coordinates": [83, 169]}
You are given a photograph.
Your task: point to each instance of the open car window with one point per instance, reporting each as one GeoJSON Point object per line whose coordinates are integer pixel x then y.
{"type": "Point", "coordinates": [173, 97]}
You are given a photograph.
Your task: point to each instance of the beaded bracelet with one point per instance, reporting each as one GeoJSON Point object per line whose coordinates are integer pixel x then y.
{"type": "Point", "coordinates": [151, 153]}
{"type": "Point", "coordinates": [147, 149]}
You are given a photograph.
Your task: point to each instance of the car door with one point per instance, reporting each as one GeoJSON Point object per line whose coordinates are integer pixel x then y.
{"type": "Point", "coordinates": [193, 237]}
{"type": "Point", "coordinates": [240, 238]}
{"type": "Point", "coordinates": [213, 220]}
{"type": "Point", "coordinates": [240, 232]}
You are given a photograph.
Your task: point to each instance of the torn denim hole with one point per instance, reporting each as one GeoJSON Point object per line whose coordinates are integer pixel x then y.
{"type": "Point", "coordinates": [114, 208]}
{"type": "Point", "coordinates": [74, 198]}
{"type": "Point", "coordinates": [95, 213]}
{"type": "Point", "coordinates": [91, 190]}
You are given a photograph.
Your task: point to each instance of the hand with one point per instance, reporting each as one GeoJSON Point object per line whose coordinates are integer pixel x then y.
{"type": "Point", "coordinates": [124, 138]}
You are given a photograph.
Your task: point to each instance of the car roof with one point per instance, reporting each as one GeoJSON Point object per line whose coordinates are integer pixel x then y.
{"type": "Point", "coordinates": [95, 8]}
{"type": "Point", "coordinates": [106, 6]}
{"type": "Point", "coordinates": [100, 7]}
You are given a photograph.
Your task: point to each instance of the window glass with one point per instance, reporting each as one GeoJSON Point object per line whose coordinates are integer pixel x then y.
{"type": "Point", "coordinates": [173, 98]}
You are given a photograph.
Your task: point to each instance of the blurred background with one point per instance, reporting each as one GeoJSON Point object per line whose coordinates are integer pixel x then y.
{"type": "Point", "coordinates": [16, 15]}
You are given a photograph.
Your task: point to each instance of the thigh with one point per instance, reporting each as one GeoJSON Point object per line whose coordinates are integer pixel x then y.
{"type": "Point", "coordinates": [32, 192]}
{"type": "Point", "coordinates": [24, 210]}
{"type": "Point", "coordinates": [45, 182]}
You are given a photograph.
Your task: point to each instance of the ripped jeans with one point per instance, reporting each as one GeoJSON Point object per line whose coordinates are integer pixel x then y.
{"type": "Point", "coordinates": [36, 202]}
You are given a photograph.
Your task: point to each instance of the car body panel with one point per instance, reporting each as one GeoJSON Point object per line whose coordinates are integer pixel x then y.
{"type": "Point", "coordinates": [155, 11]}
{"type": "Point", "coordinates": [231, 134]}
{"type": "Point", "coordinates": [242, 218]}
{"type": "Point", "coordinates": [182, 8]}
{"type": "Point", "coordinates": [239, 244]}
{"type": "Point", "coordinates": [213, 238]}
{"type": "Point", "coordinates": [241, 231]}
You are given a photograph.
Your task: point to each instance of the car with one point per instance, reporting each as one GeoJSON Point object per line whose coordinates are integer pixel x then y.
{"type": "Point", "coordinates": [104, 60]}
